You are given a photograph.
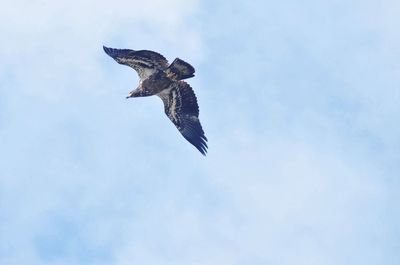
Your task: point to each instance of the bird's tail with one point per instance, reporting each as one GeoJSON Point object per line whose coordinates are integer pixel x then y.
{"type": "Point", "coordinates": [179, 69]}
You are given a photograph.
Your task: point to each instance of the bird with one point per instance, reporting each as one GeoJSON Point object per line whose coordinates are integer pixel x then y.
{"type": "Point", "coordinates": [158, 77]}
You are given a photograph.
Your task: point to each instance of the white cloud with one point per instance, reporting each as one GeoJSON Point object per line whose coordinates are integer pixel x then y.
{"type": "Point", "coordinates": [55, 49]}
{"type": "Point", "coordinates": [290, 177]}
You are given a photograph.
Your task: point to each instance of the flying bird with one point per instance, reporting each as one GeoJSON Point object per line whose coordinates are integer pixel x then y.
{"type": "Point", "coordinates": [157, 77]}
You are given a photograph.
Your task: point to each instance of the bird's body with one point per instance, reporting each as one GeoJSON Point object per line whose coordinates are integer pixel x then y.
{"type": "Point", "coordinates": [157, 77]}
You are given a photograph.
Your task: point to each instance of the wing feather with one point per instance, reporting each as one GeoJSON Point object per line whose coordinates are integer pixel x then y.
{"type": "Point", "coordinates": [180, 105]}
{"type": "Point", "coordinates": [144, 62]}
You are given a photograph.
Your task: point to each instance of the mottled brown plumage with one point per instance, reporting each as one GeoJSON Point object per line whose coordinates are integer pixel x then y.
{"type": "Point", "coordinates": [159, 78]}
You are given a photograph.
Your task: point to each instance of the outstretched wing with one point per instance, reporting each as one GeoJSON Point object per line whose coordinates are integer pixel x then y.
{"type": "Point", "coordinates": [180, 105]}
{"type": "Point", "coordinates": [144, 62]}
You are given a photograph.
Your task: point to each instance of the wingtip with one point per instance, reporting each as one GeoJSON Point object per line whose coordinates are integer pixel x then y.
{"type": "Point", "coordinates": [109, 51]}
{"type": "Point", "coordinates": [202, 146]}
{"type": "Point", "coordinates": [205, 151]}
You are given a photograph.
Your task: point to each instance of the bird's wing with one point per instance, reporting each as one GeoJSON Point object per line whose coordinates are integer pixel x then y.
{"type": "Point", "coordinates": [180, 105]}
{"type": "Point", "coordinates": [144, 62]}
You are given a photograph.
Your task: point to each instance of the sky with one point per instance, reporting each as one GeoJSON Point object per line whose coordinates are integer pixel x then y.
{"type": "Point", "coordinates": [300, 101]}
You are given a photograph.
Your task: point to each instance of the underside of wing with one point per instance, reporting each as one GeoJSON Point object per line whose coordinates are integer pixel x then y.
{"type": "Point", "coordinates": [180, 105]}
{"type": "Point", "coordinates": [144, 62]}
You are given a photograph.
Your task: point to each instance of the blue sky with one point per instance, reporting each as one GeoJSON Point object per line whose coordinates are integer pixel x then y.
{"type": "Point", "coordinates": [300, 102]}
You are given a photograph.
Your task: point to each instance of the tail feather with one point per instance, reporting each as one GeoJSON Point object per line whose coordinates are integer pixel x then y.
{"type": "Point", "coordinates": [180, 69]}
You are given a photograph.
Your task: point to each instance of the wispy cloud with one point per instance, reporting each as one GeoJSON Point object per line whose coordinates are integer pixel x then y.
{"type": "Point", "coordinates": [299, 101]}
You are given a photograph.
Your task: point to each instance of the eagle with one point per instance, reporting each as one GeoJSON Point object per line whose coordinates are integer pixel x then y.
{"type": "Point", "coordinates": [157, 77]}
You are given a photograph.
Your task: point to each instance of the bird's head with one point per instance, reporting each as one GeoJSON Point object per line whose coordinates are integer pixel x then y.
{"type": "Point", "coordinates": [134, 93]}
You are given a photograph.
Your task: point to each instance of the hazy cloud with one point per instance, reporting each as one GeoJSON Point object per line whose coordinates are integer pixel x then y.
{"type": "Point", "coordinates": [298, 100]}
